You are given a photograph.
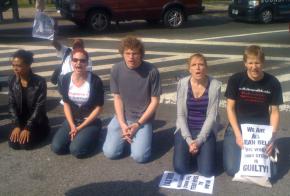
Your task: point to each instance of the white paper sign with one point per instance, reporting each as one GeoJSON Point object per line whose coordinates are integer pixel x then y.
{"type": "Point", "coordinates": [254, 160]}
{"type": "Point", "coordinates": [189, 182]}
{"type": "Point", "coordinates": [43, 26]}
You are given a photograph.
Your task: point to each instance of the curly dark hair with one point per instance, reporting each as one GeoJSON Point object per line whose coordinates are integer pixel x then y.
{"type": "Point", "coordinates": [26, 56]}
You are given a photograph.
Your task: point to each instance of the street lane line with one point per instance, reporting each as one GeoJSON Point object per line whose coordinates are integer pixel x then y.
{"type": "Point", "coordinates": [193, 42]}
{"type": "Point", "coordinates": [243, 35]}
{"type": "Point", "coordinates": [176, 56]}
{"type": "Point", "coordinates": [5, 51]}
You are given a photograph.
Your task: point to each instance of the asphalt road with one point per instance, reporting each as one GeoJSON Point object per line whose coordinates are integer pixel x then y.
{"type": "Point", "coordinates": [40, 172]}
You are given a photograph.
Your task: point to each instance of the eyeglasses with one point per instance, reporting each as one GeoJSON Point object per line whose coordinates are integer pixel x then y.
{"type": "Point", "coordinates": [82, 61]}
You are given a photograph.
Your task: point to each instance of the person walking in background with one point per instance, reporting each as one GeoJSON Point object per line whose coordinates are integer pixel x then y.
{"type": "Point", "coordinates": [83, 98]}
{"type": "Point", "coordinates": [40, 5]}
{"type": "Point", "coordinates": [27, 103]}
{"type": "Point", "coordinates": [135, 85]}
{"type": "Point", "coordinates": [253, 96]}
{"type": "Point", "coordinates": [198, 97]}
{"type": "Point", "coordinates": [57, 5]}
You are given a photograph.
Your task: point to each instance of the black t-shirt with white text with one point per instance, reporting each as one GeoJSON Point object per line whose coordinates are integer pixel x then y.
{"type": "Point", "coordinates": [253, 98]}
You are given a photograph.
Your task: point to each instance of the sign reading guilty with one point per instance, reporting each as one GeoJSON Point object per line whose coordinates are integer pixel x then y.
{"type": "Point", "coordinates": [254, 160]}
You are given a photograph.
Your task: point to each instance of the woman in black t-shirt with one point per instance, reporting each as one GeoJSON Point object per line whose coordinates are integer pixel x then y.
{"type": "Point", "coordinates": [253, 97]}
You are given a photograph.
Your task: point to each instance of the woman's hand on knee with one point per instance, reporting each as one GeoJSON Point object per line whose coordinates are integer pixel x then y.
{"type": "Point", "coordinates": [24, 136]}
{"type": "Point", "coordinates": [14, 137]}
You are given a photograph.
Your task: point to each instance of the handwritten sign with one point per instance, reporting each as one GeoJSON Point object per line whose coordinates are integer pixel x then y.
{"type": "Point", "coordinates": [189, 182]}
{"type": "Point", "coordinates": [254, 160]}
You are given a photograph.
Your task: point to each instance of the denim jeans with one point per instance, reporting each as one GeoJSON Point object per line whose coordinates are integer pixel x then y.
{"type": "Point", "coordinates": [82, 145]}
{"type": "Point", "coordinates": [140, 146]}
{"type": "Point", "coordinates": [184, 161]}
{"type": "Point", "coordinates": [231, 153]}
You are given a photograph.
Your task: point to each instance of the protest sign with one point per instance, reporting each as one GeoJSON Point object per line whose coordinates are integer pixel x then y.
{"type": "Point", "coordinates": [43, 26]}
{"type": "Point", "coordinates": [254, 160]}
{"type": "Point", "coordinates": [189, 182]}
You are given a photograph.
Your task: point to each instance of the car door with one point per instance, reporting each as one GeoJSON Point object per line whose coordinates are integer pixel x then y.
{"type": "Point", "coordinates": [131, 9]}
{"type": "Point", "coordinates": [283, 7]}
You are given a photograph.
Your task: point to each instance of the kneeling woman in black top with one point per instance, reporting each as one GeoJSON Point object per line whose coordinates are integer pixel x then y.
{"type": "Point", "coordinates": [83, 97]}
{"type": "Point", "coordinates": [27, 99]}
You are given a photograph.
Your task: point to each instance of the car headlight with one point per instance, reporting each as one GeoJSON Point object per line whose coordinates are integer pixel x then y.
{"type": "Point", "coordinates": [254, 3]}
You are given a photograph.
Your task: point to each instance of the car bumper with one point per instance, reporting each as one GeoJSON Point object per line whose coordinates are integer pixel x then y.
{"type": "Point", "coordinates": [243, 13]}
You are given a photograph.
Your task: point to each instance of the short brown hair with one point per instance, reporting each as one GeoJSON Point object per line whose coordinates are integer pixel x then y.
{"type": "Point", "coordinates": [198, 56]}
{"type": "Point", "coordinates": [254, 50]}
{"type": "Point", "coordinates": [133, 43]}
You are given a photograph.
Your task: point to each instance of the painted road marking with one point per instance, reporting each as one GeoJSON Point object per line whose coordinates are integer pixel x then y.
{"type": "Point", "coordinates": [193, 42]}
{"type": "Point", "coordinates": [244, 35]}
{"type": "Point", "coordinates": [169, 98]}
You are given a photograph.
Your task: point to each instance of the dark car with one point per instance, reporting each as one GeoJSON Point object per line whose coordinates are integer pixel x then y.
{"type": "Point", "coordinates": [98, 14]}
{"type": "Point", "coordinates": [264, 11]}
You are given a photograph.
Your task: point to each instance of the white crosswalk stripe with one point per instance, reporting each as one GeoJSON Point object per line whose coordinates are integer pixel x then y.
{"type": "Point", "coordinates": [167, 62]}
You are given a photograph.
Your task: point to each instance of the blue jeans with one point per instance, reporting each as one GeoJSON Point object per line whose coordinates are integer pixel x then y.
{"type": "Point", "coordinates": [82, 145]}
{"type": "Point", "coordinates": [231, 153]}
{"type": "Point", "coordinates": [183, 161]}
{"type": "Point", "coordinates": [140, 146]}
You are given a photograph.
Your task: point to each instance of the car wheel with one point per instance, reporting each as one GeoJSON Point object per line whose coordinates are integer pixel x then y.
{"type": "Point", "coordinates": [266, 16]}
{"type": "Point", "coordinates": [99, 20]}
{"type": "Point", "coordinates": [173, 17]}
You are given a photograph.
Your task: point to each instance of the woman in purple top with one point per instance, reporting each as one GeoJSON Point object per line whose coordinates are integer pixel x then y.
{"type": "Point", "coordinates": [198, 98]}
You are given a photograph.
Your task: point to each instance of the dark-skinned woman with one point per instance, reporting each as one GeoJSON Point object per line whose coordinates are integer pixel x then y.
{"type": "Point", "coordinates": [27, 103]}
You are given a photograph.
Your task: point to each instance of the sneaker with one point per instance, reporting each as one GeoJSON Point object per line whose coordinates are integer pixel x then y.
{"type": "Point", "coordinates": [58, 11]}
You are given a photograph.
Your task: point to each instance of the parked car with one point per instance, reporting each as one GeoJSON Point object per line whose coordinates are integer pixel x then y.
{"type": "Point", "coordinates": [264, 11]}
{"type": "Point", "coordinates": [98, 14]}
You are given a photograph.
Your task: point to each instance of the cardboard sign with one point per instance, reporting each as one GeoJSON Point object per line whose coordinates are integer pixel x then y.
{"type": "Point", "coordinates": [254, 160]}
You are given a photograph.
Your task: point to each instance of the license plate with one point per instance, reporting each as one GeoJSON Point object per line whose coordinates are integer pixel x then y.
{"type": "Point", "coordinates": [235, 12]}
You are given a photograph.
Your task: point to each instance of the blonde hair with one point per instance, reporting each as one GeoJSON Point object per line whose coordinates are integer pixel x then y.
{"type": "Point", "coordinates": [198, 56]}
{"type": "Point", "coordinates": [254, 50]}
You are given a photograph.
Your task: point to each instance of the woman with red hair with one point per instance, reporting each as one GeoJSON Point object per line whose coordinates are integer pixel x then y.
{"type": "Point", "coordinates": [83, 98]}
